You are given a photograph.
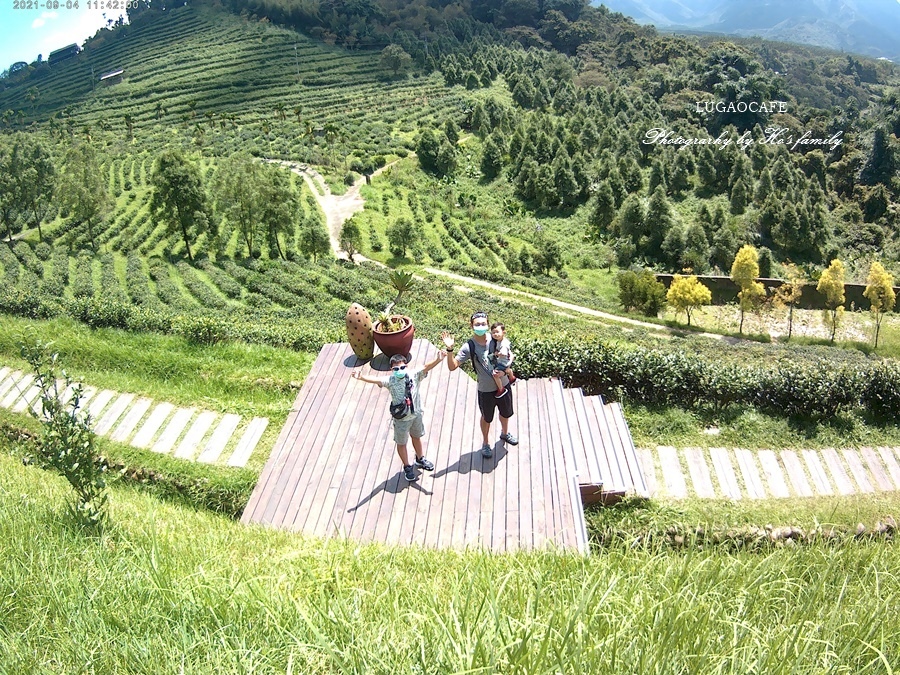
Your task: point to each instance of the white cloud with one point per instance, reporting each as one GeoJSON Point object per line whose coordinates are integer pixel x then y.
{"type": "Point", "coordinates": [45, 16]}
{"type": "Point", "coordinates": [81, 26]}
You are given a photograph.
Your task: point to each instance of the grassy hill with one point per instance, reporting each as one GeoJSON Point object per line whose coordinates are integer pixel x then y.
{"type": "Point", "coordinates": [170, 589]}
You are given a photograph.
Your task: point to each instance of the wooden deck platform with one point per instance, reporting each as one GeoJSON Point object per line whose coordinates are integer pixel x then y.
{"type": "Point", "coordinates": [334, 469]}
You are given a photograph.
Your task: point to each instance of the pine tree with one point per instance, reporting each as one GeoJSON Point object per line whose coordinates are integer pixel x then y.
{"type": "Point", "coordinates": [744, 272]}
{"type": "Point", "coordinates": [687, 294]}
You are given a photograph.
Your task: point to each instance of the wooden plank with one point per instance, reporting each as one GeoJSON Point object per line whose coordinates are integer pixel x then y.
{"type": "Point", "coordinates": [470, 460]}
{"type": "Point", "coordinates": [360, 455]}
{"type": "Point", "coordinates": [4, 371]}
{"type": "Point", "coordinates": [572, 398]}
{"type": "Point", "coordinates": [18, 388]}
{"type": "Point", "coordinates": [817, 472]}
{"type": "Point", "coordinates": [594, 468]}
{"type": "Point", "coordinates": [882, 481]}
{"type": "Point", "coordinates": [577, 536]}
{"type": "Point", "coordinates": [306, 448]}
{"type": "Point", "coordinates": [113, 413]}
{"type": "Point", "coordinates": [796, 475]}
{"type": "Point", "coordinates": [890, 461]}
{"type": "Point", "coordinates": [453, 417]}
{"type": "Point", "coordinates": [750, 473]}
{"type": "Point", "coordinates": [498, 469]}
{"type": "Point", "coordinates": [29, 396]}
{"type": "Point", "coordinates": [699, 473]}
{"type": "Point", "coordinates": [187, 449]}
{"type": "Point", "coordinates": [99, 402]}
{"type": "Point", "coordinates": [520, 457]}
{"type": "Point", "coordinates": [728, 482]}
{"type": "Point", "coordinates": [638, 481]}
{"type": "Point", "coordinates": [648, 470]}
{"type": "Point", "coordinates": [476, 477]}
{"type": "Point", "coordinates": [673, 479]}
{"type": "Point", "coordinates": [123, 432]}
{"type": "Point", "coordinates": [145, 435]}
{"type": "Point", "coordinates": [248, 442]}
{"type": "Point", "coordinates": [219, 439]}
{"type": "Point", "coordinates": [838, 475]}
{"type": "Point", "coordinates": [858, 471]}
{"type": "Point", "coordinates": [563, 426]}
{"type": "Point", "coordinates": [273, 493]}
{"type": "Point", "coordinates": [170, 434]}
{"type": "Point", "coordinates": [597, 417]}
{"type": "Point", "coordinates": [774, 476]}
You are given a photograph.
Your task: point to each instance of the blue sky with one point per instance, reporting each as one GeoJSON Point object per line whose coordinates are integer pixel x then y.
{"type": "Point", "coordinates": [25, 33]}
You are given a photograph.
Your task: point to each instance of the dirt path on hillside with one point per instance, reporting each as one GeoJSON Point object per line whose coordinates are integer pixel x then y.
{"type": "Point", "coordinates": [337, 208]}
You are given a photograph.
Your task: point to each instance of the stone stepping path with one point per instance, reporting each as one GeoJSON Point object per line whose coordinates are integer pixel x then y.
{"type": "Point", "coordinates": [186, 433]}
{"type": "Point", "coordinates": [736, 473]}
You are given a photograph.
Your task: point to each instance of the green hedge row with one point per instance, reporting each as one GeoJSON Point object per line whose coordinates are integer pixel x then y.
{"type": "Point", "coordinates": [675, 378]}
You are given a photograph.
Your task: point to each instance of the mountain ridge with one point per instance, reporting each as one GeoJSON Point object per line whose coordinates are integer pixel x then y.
{"type": "Point", "coordinates": [866, 27]}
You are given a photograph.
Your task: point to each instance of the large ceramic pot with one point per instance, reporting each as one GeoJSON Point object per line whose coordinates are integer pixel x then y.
{"type": "Point", "coordinates": [399, 342]}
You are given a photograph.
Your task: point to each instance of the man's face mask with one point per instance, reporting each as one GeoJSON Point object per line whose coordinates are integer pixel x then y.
{"type": "Point", "coordinates": [480, 330]}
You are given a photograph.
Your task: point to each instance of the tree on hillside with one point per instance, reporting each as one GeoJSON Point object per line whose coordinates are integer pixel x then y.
{"type": "Point", "coordinates": [313, 239]}
{"type": "Point", "coordinates": [880, 292]}
{"type": "Point", "coordinates": [279, 206]}
{"type": "Point", "coordinates": [179, 199]}
{"type": "Point", "coordinates": [237, 195]}
{"type": "Point", "coordinates": [686, 294]}
{"type": "Point", "coordinates": [10, 190]}
{"type": "Point", "coordinates": [36, 182]}
{"type": "Point", "coordinates": [789, 293]}
{"type": "Point", "coordinates": [83, 190]}
{"type": "Point", "coordinates": [831, 285]}
{"type": "Point", "coordinates": [351, 237]}
{"type": "Point", "coordinates": [401, 234]}
{"type": "Point", "coordinates": [744, 271]}
{"type": "Point", "coordinates": [394, 58]}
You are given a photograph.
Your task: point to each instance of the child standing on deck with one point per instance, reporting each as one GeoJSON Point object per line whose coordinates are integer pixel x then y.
{"type": "Point", "coordinates": [500, 357]}
{"type": "Point", "coordinates": [406, 409]}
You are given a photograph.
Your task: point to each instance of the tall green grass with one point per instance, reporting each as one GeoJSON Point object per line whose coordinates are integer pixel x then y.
{"type": "Point", "coordinates": [168, 589]}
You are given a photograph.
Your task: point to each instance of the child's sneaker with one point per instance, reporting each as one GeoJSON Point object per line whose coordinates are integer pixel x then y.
{"type": "Point", "coordinates": [423, 463]}
{"type": "Point", "coordinates": [500, 392]}
{"type": "Point", "coordinates": [409, 473]}
{"type": "Point", "coordinates": [511, 377]}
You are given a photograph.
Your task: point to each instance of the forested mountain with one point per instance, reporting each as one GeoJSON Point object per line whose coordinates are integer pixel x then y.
{"type": "Point", "coordinates": [590, 136]}
{"type": "Point", "coordinates": [870, 27]}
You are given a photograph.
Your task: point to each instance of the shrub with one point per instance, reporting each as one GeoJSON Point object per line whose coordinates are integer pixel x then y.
{"type": "Point", "coordinates": [203, 330]}
{"type": "Point", "coordinates": [640, 291]}
{"type": "Point", "coordinates": [67, 443]}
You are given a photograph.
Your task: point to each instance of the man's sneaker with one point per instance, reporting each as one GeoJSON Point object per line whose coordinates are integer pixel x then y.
{"type": "Point", "coordinates": [423, 463]}
{"type": "Point", "coordinates": [486, 451]}
{"type": "Point", "coordinates": [509, 438]}
{"type": "Point", "coordinates": [500, 392]}
{"type": "Point", "coordinates": [409, 472]}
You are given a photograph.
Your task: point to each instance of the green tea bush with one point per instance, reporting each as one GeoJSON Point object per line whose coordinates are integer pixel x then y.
{"type": "Point", "coordinates": [29, 260]}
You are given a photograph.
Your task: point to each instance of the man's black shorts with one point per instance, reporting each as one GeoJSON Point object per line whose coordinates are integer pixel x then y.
{"type": "Point", "coordinates": [488, 401]}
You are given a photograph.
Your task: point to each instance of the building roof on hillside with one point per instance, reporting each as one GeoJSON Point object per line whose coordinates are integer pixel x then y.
{"type": "Point", "coordinates": [111, 74]}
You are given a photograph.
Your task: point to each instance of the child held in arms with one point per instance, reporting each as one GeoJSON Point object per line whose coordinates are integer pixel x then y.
{"type": "Point", "coordinates": [501, 357]}
{"type": "Point", "coordinates": [406, 409]}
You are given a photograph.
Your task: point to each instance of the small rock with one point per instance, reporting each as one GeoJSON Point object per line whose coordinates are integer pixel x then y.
{"type": "Point", "coordinates": [860, 530]}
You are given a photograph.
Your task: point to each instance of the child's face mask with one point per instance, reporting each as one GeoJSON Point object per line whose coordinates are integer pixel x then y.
{"type": "Point", "coordinates": [399, 372]}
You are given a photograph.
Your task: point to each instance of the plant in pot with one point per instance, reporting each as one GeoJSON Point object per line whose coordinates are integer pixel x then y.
{"type": "Point", "coordinates": [394, 332]}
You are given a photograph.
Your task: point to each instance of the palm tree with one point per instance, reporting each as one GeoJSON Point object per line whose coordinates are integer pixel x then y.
{"type": "Point", "coordinates": [279, 109]}
{"type": "Point", "coordinates": [159, 110]}
{"type": "Point", "coordinates": [129, 124]}
{"type": "Point", "coordinates": [297, 111]}
{"type": "Point", "coordinates": [332, 132]}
